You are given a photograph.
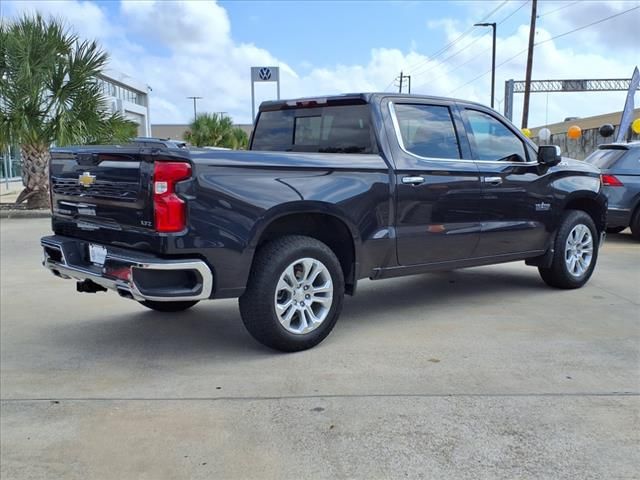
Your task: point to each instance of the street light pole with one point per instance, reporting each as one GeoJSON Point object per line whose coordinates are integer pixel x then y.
{"type": "Point", "coordinates": [195, 99]}
{"type": "Point", "coordinates": [493, 59]}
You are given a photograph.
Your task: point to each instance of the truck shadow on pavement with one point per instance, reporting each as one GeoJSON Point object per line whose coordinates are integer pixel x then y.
{"type": "Point", "coordinates": [215, 329]}
{"type": "Point", "coordinates": [401, 296]}
{"type": "Point", "coordinates": [623, 238]}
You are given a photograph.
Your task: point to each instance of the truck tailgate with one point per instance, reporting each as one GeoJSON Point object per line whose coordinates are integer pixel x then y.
{"type": "Point", "coordinates": [107, 188]}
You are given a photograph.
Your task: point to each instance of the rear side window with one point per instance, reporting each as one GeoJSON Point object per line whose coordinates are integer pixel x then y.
{"type": "Point", "coordinates": [604, 158]}
{"type": "Point", "coordinates": [427, 130]}
{"type": "Point", "coordinates": [335, 129]}
{"type": "Point", "coordinates": [630, 162]}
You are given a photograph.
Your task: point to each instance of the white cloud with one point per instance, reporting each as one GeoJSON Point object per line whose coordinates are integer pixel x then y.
{"type": "Point", "coordinates": [187, 48]}
{"type": "Point", "coordinates": [193, 27]}
{"type": "Point", "coordinates": [86, 18]}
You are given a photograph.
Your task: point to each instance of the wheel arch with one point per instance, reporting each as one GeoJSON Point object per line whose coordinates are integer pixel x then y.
{"type": "Point", "coordinates": [318, 220]}
{"type": "Point", "coordinates": [594, 205]}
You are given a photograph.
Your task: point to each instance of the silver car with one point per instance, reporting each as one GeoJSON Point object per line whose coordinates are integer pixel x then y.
{"type": "Point", "coordinates": [620, 167]}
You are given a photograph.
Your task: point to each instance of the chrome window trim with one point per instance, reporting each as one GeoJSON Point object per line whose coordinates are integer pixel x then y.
{"type": "Point", "coordinates": [396, 128]}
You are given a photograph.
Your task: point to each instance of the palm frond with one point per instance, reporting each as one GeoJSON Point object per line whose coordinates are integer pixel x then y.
{"type": "Point", "coordinates": [211, 130]}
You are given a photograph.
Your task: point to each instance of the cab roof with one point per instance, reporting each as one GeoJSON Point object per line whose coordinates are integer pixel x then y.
{"type": "Point", "coordinates": [351, 98]}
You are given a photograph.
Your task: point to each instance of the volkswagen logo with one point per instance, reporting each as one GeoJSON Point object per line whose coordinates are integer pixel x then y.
{"type": "Point", "coordinates": [264, 73]}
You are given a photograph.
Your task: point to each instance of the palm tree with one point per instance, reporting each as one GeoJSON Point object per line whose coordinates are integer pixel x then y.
{"type": "Point", "coordinates": [241, 139]}
{"type": "Point", "coordinates": [50, 94]}
{"type": "Point", "coordinates": [213, 130]}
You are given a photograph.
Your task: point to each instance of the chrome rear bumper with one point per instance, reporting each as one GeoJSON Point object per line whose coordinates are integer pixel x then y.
{"type": "Point", "coordinates": [131, 274]}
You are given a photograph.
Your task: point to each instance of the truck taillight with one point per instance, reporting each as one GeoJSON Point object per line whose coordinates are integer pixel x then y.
{"type": "Point", "coordinates": [611, 181]}
{"type": "Point", "coordinates": [169, 209]}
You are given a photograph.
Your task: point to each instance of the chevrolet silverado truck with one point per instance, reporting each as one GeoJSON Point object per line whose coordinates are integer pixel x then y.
{"type": "Point", "coordinates": [331, 191]}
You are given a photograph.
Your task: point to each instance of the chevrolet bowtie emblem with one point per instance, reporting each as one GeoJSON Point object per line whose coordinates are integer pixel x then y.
{"type": "Point", "coordinates": [86, 179]}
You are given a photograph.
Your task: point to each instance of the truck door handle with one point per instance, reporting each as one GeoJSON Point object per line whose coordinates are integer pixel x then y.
{"type": "Point", "coordinates": [493, 180]}
{"type": "Point", "coordinates": [413, 180]}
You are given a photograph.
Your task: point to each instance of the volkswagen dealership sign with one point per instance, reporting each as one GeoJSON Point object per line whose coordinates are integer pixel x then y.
{"type": "Point", "coordinates": [263, 74]}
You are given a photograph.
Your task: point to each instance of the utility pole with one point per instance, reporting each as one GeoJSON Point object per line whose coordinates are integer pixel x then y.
{"type": "Point", "coordinates": [402, 77]}
{"type": "Point", "coordinates": [493, 59]}
{"type": "Point", "coordinates": [527, 85]}
{"type": "Point", "coordinates": [195, 99]}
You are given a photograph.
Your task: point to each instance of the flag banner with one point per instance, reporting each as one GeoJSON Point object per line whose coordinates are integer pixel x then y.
{"type": "Point", "coordinates": [627, 113]}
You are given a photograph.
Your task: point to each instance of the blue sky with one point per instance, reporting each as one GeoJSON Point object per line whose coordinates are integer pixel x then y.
{"type": "Point", "coordinates": [206, 48]}
{"type": "Point", "coordinates": [326, 33]}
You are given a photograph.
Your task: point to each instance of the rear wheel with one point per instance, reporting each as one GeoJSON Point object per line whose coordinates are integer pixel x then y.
{"type": "Point", "coordinates": [168, 306]}
{"type": "Point", "coordinates": [615, 229]}
{"type": "Point", "coordinates": [576, 252]}
{"type": "Point", "coordinates": [635, 224]}
{"type": "Point", "coordinates": [294, 294]}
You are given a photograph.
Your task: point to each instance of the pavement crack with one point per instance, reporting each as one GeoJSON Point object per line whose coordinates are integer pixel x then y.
{"type": "Point", "coordinates": [319, 396]}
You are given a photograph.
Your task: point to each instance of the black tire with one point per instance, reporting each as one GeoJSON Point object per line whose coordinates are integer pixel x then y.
{"type": "Point", "coordinates": [257, 304]}
{"type": "Point", "coordinates": [558, 274]}
{"type": "Point", "coordinates": [169, 306]}
{"type": "Point", "coordinates": [615, 229]}
{"type": "Point", "coordinates": [635, 224]}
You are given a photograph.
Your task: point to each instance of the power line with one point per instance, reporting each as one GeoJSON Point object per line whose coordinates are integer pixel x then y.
{"type": "Point", "coordinates": [473, 42]}
{"type": "Point", "coordinates": [589, 25]}
{"type": "Point", "coordinates": [390, 83]}
{"type": "Point", "coordinates": [545, 41]}
{"type": "Point", "coordinates": [457, 67]}
{"type": "Point", "coordinates": [514, 12]}
{"type": "Point", "coordinates": [559, 8]}
{"type": "Point", "coordinates": [455, 54]}
{"type": "Point", "coordinates": [485, 73]}
{"type": "Point", "coordinates": [455, 41]}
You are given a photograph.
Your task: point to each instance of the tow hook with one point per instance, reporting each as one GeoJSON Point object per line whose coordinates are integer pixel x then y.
{"type": "Point", "coordinates": [88, 286]}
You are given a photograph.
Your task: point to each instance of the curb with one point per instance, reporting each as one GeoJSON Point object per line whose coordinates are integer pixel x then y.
{"type": "Point", "coordinates": [10, 213]}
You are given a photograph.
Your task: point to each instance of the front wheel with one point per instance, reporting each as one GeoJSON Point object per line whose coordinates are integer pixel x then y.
{"type": "Point", "coordinates": [294, 294]}
{"type": "Point", "coordinates": [576, 252]}
{"type": "Point", "coordinates": [168, 306]}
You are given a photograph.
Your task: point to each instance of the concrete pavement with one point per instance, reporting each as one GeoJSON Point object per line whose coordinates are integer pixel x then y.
{"type": "Point", "coordinates": [479, 373]}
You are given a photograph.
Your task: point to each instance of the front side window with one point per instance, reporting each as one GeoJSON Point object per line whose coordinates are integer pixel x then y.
{"type": "Point", "coordinates": [332, 129]}
{"type": "Point", "coordinates": [427, 130]}
{"type": "Point", "coordinates": [492, 140]}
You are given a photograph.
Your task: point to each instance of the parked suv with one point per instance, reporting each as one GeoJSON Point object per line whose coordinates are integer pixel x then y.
{"type": "Point", "coordinates": [332, 190]}
{"type": "Point", "coordinates": [620, 167]}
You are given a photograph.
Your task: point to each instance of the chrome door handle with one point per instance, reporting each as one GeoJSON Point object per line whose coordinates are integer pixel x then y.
{"type": "Point", "coordinates": [493, 180]}
{"type": "Point", "coordinates": [413, 180]}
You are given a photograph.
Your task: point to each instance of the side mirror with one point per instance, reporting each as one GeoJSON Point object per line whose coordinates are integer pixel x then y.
{"type": "Point", "coordinates": [549, 155]}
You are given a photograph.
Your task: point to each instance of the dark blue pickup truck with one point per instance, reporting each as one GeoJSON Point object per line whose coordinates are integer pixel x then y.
{"type": "Point", "coordinates": [332, 190]}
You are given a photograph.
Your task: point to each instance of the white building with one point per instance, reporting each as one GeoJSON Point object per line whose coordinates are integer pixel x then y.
{"type": "Point", "coordinates": [128, 96]}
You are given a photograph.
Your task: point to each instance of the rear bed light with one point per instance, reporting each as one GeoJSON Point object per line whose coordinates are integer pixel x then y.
{"type": "Point", "coordinates": [169, 209]}
{"type": "Point", "coordinates": [611, 181]}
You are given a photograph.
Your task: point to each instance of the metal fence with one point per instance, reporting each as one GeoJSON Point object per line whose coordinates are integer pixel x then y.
{"type": "Point", "coordinates": [11, 166]}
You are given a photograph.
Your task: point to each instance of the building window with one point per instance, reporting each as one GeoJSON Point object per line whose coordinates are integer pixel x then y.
{"type": "Point", "coordinates": [123, 93]}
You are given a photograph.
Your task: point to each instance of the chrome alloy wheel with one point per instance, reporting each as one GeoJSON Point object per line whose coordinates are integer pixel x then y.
{"type": "Point", "coordinates": [578, 251]}
{"type": "Point", "coordinates": [304, 295]}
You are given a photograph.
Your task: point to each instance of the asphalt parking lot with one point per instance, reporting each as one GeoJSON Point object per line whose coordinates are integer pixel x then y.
{"type": "Point", "coordinates": [482, 373]}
